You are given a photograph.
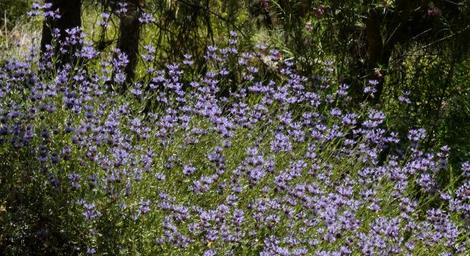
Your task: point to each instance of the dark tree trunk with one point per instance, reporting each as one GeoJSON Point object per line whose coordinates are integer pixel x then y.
{"type": "Point", "coordinates": [377, 55]}
{"type": "Point", "coordinates": [129, 35]}
{"type": "Point", "coordinates": [70, 12]}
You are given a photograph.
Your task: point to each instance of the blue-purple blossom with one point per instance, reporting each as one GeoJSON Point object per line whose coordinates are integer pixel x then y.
{"type": "Point", "coordinates": [276, 165]}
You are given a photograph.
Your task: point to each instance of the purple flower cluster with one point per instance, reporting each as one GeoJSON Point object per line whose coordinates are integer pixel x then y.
{"type": "Point", "coordinates": [277, 167]}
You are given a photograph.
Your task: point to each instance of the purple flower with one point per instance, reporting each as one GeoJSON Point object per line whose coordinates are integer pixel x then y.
{"type": "Point", "coordinates": [188, 60]}
{"type": "Point", "coordinates": [466, 169]}
{"type": "Point", "coordinates": [122, 8]}
{"type": "Point", "coordinates": [416, 135]}
{"type": "Point", "coordinates": [146, 18]}
{"type": "Point", "coordinates": [144, 206]}
{"type": "Point", "coordinates": [90, 211]}
{"type": "Point", "coordinates": [91, 250]}
{"type": "Point", "coordinates": [74, 179]}
{"type": "Point", "coordinates": [209, 252]}
{"type": "Point", "coordinates": [281, 143]}
{"type": "Point", "coordinates": [188, 170]}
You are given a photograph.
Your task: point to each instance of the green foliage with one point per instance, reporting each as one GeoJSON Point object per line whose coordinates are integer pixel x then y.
{"type": "Point", "coordinates": [12, 10]}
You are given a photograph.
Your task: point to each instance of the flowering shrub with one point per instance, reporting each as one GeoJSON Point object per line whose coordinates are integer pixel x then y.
{"type": "Point", "coordinates": [242, 159]}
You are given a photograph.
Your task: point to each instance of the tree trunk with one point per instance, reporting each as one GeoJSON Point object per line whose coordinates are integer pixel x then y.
{"type": "Point", "coordinates": [129, 35]}
{"type": "Point", "coordinates": [376, 54]}
{"type": "Point", "coordinates": [70, 17]}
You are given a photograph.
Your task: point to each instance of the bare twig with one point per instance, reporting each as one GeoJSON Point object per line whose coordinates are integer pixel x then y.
{"type": "Point", "coordinates": [217, 15]}
{"type": "Point", "coordinates": [446, 37]}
